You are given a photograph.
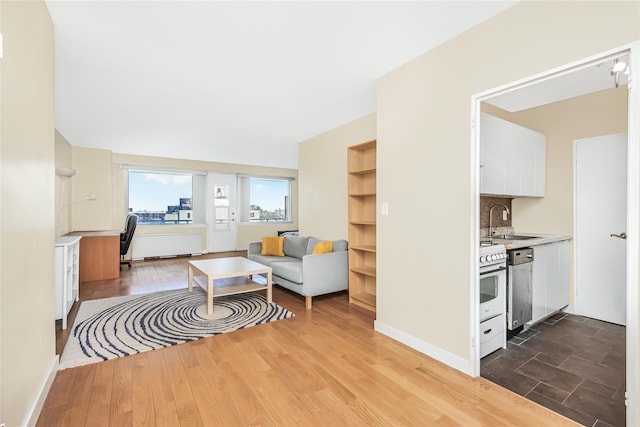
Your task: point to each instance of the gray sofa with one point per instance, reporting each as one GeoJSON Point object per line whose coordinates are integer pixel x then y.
{"type": "Point", "coordinates": [306, 274]}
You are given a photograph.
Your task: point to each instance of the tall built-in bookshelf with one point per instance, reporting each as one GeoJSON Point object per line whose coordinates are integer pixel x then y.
{"type": "Point", "coordinates": [361, 167]}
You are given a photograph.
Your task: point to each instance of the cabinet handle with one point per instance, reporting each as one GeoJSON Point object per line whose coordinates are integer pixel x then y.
{"type": "Point", "coordinates": [487, 331]}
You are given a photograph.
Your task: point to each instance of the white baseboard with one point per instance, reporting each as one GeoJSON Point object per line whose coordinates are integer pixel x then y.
{"type": "Point", "coordinates": [569, 309]}
{"type": "Point", "coordinates": [44, 391]}
{"type": "Point", "coordinates": [456, 362]}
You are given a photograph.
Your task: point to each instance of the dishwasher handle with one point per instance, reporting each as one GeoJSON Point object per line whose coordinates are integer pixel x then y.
{"type": "Point", "coordinates": [520, 256]}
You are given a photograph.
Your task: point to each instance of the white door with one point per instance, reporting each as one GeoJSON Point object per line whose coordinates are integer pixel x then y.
{"type": "Point", "coordinates": [601, 210]}
{"type": "Point", "coordinates": [221, 212]}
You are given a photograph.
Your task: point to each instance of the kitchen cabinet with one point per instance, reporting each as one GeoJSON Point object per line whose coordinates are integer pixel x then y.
{"type": "Point", "coordinates": [361, 168]}
{"type": "Point", "coordinates": [550, 281]}
{"type": "Point", "coordinates": [67, 258]}
{"type": "Point", "coordinates": [512, 159]}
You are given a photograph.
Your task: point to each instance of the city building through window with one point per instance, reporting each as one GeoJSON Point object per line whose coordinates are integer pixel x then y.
{"type": "Point", "coordinates": [172, 198]}
{"type": "Point", "coordinates": [264, 199]}
{"type": "Point", "coordinates": [161, 198]}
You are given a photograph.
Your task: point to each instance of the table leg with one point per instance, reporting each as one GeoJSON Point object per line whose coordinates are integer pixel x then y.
{"type": "Point", "coordinates": [269, 296]}
{"type": "Point", "coordinates": [209, 295]}
{"type": "Point", "coordinates": [190, 278]}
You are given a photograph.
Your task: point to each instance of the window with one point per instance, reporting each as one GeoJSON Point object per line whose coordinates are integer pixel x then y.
{"type": "Point", "coordinates": [165, 197]}
{"type": "Point", "coordinates": [265, 199]}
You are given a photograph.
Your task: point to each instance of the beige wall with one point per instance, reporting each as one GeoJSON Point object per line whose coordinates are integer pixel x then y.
{"type": "Point", "coordinates": [424, 112]}
{"type": "Point", "coordinates": [27, 197]}
{"type": "Point", "coordinates": [596, 114]}
{"type": "Point", "coordinates": [102, 173]}
{"type": "Point", "coordinates": [63, 185]}
{"type": "Point", "coordinates": [323, 178]}
{"type": "Point", "coordinates": [93, 177]}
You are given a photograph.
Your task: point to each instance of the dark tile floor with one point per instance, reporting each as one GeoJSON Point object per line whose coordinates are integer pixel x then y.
{"type": "Point", "coordinates": [571, 364]}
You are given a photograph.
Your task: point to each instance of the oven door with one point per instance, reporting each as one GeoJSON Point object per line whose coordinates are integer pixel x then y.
{"type": "Point", "coordinates": [492, 291]}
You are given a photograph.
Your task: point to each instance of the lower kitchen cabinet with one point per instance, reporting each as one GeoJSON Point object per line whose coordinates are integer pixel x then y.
{"type": "Point", "coordinates": [550, 279]}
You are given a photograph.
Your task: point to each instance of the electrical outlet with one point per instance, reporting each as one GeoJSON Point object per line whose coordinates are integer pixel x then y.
{"type": "Point", "coordinates": [504, 215]}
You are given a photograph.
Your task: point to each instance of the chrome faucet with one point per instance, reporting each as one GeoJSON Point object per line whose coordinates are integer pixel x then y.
{"type": "Point", "coordinates": [491, 217]}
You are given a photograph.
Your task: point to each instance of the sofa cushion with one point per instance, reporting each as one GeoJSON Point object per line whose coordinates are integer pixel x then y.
{"type": "Point", "coordinates": [292, 271]}
{"type": "Point", "coordinates": [295, 246]}
{"type": "Point", "coordinates": [312, 244]}
{"type": "Point", "coordinates": [340, 245]}
{"type": "Point", "coordinates": [267, 260]}
{"type": "Point", "coordinates": [272, 246]}
{"type": "Point", "coordinates": [322, 248]}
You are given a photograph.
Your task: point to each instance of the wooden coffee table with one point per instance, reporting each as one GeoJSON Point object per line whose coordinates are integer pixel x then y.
{"type": "Point", "coordinates": [227, 276]}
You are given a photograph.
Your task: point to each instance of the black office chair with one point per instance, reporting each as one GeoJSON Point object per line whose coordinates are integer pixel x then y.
{"type": "Point", "coordinates": [125, 238]}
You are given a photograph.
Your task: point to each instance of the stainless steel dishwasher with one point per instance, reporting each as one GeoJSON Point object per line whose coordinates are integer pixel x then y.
{"type": "Point", "coordinates": [519, 288]}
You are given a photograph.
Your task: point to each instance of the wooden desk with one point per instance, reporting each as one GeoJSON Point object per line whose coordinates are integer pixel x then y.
{"type": "Point", "coordinates": [99, 255]}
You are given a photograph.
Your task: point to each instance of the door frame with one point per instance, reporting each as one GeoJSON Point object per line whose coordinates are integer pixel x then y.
{"type": "Point", "coordinates": [633, 209]}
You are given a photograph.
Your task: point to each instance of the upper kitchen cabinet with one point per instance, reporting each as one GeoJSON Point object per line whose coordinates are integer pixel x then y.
{"type": "Point", "coordinates": [512, 159]}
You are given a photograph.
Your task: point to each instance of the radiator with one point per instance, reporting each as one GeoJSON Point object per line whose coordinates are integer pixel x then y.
{"type": "Point", "coordinates": [166, 245]}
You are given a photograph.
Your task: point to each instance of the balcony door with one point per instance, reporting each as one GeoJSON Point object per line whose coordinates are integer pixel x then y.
{"type": "Point", "coordinates": [221, 212]}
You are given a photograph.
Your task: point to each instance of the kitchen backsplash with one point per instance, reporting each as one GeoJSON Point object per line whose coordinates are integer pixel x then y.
{"type": "Point", "coordinates": [485, 204]}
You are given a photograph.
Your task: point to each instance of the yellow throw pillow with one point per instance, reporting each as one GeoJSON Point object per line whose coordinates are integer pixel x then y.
{"type": "Point", "coordinates": [323, 248]}
{"type": "Point", "coordinates": [272, 246]}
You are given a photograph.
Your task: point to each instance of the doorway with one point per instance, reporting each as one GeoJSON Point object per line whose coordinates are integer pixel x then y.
{"type": "Point", "coordinates": [221, 212]}
{"type": "Point", "coordinates": [631, 285]}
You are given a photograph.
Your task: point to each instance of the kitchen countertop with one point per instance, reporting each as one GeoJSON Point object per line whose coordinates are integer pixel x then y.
{"type": "Point", "coordinates": [541, 239]}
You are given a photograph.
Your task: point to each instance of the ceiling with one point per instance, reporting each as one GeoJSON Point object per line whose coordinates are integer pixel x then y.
{"type": "Point", "coordinates": [230, 81]}
{"type": "Point", "coordinates": [583, 81]}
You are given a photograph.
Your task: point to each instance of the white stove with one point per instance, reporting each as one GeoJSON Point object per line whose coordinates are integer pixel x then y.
{"type": "Point", "coordinates": [493, 266]}
{"type": "Point", "coordinates": [492, 255]}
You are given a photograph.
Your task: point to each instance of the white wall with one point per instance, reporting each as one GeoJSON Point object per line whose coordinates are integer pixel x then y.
{"type": "Point", "coordinates": [424, 155]}
{"type": "Point", "coordinates": [27, 328]}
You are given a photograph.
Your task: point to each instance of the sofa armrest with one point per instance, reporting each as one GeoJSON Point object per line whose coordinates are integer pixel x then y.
{"type": "Point", "coordinates": [254, 248]}
{"type": "Point", "coordinates": [325, 273]}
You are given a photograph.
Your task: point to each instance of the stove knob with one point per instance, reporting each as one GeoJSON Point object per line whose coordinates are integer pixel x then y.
{"type": "Point", "coordinates": [482, 258]}
{"type": "Point", "coordinates": [494, 257]}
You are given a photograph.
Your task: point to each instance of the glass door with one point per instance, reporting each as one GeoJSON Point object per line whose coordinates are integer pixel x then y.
{"type": "Point", "coordinates": [221, 212]}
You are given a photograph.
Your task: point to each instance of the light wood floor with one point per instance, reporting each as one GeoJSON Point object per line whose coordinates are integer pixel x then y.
{"type": "Point", "coordinates": [324, 367]}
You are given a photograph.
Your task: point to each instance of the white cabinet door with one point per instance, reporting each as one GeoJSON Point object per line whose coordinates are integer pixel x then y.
{"type": "Point", "coordinates": [550, 279]}
{"type": "Point", "coordinates": [512, 146]}
{"type": "Point", "coordinates": [539, 141]}
{"type": "Point", "coordinates": [492, 155]}
{"type": "Point", "coordinates": [512, 159]}
{"type": "Point", "coordinates": [557, 285]}
{"type": "Point", "coordinates": [539, 289]}
{"type": "Point", "coordinates": [527, 164]}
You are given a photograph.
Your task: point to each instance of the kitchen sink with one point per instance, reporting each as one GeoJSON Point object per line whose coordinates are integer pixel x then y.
{"type": "Point", "coordinates": [514, 237]}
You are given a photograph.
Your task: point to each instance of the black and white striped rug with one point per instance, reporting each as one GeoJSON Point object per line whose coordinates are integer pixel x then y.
{"type": "Point", "coordinates": [120, 326]}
